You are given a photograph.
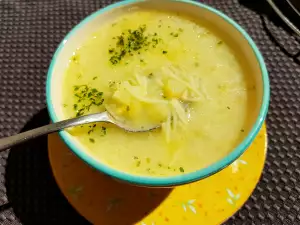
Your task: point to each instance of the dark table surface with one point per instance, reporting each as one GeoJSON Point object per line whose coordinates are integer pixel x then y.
{"type": "Point", "coordinates": [30, 31]}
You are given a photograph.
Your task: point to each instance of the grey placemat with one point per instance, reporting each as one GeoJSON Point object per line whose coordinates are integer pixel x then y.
{"type": "Point", "coordinates": [30, 30]}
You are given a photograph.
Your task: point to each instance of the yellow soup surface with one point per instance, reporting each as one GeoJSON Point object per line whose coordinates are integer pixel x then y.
{"type": "Point", "coordinates": [151, 68]}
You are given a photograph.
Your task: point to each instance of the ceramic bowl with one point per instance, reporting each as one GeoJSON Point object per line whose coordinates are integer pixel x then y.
{"type": "Point", "coordinates": [229, 29]}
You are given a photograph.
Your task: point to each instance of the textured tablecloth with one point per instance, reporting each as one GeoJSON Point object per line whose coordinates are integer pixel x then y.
{"type": "Point", "coordinates": [30, 31]}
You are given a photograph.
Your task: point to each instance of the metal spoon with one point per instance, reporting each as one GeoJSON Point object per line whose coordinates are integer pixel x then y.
{"type": "Point", "coordinates": [11, 141]}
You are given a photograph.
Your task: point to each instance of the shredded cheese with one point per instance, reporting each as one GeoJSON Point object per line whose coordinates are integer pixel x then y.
{"type": "Point", "coordinates": [173, 75]}
{"type": "Point", "coordinates": [158, 91]}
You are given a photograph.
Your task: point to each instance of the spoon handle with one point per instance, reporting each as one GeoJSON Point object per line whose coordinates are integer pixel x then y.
{"type": "Point", "coordinates": [11, 141]}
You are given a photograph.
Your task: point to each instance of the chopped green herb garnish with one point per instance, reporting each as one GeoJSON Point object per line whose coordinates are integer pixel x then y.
{"type": "Point", "coordinates": [228, 107]}
{"type": "Point", "coordinates": [120, 41]}
{"type": "Point", "coordinates": [92, 128]}
{"type": "Point", "coordinates": [111, 83]}
{"type": "Point", "coordinates": [180, 30]}
{"type": "Point", "coordinates": [138, 163]}
{"type": "Point", "coordinates": [86, 97]}
{"type": "Point", "coordinates": [150, 75]}
{"type": "Point", "coordinates": [103, 130]}
{"type": "Point", "coordinates": [242, 130]}
{"type": "Point", "coordinates": [92, 140]}
{"type": "Point", "coordinates": [94, 78]}
{"type": "Point", "coordinates": [131, 41]}
{"type": "Point", "coordinates": [174, 34]}
{"type": "Point", "coordinates": [127, 108]}
{"type": "Point", "coordinates": [75, 59]}
{"type": "Point", "coordinates": [181, 169]}
{"type": "Point", "coordinates": [164, 52]}
{"type": "Point", "coordinates": [220, 42]}
{"type": "Point", "coordinates": [135, 157]}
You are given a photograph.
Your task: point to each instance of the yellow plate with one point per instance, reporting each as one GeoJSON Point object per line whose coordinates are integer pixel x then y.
{"type": "Point", "coordinates": [104, 201]}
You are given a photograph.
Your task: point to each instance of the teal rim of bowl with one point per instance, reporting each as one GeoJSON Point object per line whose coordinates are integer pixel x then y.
{"type": "Point", "coordinates": [182, 178]}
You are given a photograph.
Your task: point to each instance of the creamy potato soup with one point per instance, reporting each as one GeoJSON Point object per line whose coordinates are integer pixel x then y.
{"type": "Point", "coordinates": [152, 68]}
